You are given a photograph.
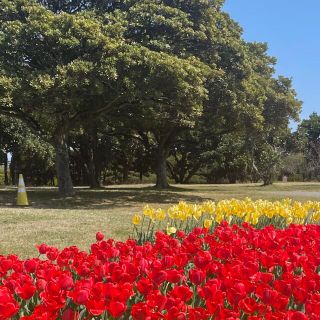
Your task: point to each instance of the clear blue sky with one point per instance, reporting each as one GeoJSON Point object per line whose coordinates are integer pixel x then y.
{"type": "Point", "coordinates": [292, 30]}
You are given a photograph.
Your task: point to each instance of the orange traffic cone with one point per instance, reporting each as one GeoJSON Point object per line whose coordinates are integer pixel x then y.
{"type": "Point", "coordinates": [22, 199]}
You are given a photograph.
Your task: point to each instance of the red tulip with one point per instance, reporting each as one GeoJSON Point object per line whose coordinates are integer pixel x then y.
{"type": "Point", "coordinates": [42, 248]}
{"type": "Point", "coordinates": [159, 277]}
{"type": "Point", "coordinates": [144, 286]}
{"type": "Point", "coordinates": [26, 291]}
{"type": "Point", "coordinates": [140, 311]}
{"type": "Point", "coordinates": [30, 265]}
{"type": "Point", "coordinates": [70, 314]}
{"type": "Point", "coordinates": [117, 308]}
{"type": "Point", "coordinates": [99, 236]}
{"type": "Point", "coordinates": [8, 305]}
{"type": "Point", "coordinates": [80, 296]}
{"type": "Point", "coordinates": [182, 292]}
{"type": "Point", "coordinates": [65, 282]}
{"type": "Point", "coordinates": [196, 276]}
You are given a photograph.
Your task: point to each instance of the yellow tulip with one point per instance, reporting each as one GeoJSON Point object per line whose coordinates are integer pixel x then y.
{"type": "Point", "coordinates": [171, 230]}
{"type": "Point", "coordinates": [160, 214]}
{"type": "Point", "coordinates": [207, 223]}
{"type": "Point", "coordinates": [136, 219]}
{"type": "Point", "coordinates": [245, 210]}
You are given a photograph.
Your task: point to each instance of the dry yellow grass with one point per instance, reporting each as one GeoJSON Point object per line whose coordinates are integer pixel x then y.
{"type": "Point", "coordinates": [74, 221]}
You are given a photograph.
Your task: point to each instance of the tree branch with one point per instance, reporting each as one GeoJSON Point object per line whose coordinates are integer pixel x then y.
{"type": "Point", "coordinates": [107, 107]}
{"type": "Point", "coordinates": [27, 118]}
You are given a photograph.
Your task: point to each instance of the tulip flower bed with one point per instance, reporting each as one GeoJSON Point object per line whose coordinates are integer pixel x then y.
{"type": "Point", "coordinates": [260, 213]}
{"type": "Point", "coordinates": [234, 272]}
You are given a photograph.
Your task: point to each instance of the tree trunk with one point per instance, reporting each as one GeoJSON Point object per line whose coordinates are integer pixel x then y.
{"type": "Point", "coordinates": [62, 165]}
{"type": "Point", "coordinates": [165, 140]}
{"type": "Point", "coordinates": [125, 172]}
{"type": "Point", "coordinates": [182, 167]}
{"type": "Point", "coordinates": [191, 174]}
{"type": "Point", "coordinates": [94, 183]}
{"type": "Point", "coordinates": [6, 177]}
{"type": "Point", "coordinates": [94, 173]}
{"type": "Point", "coordinates": [162, 180]}
{"type": "Point", "coordinates": [267, 180]}
{"type": "Point", "coordinates": [172, 172]}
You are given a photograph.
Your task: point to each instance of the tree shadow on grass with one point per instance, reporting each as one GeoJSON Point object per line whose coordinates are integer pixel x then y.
{"type": "Point", "coordinates": [102, 198]}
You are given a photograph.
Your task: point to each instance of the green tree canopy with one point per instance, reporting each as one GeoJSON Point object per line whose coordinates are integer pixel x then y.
{"type": "Point", "coordinates": [60, 68]}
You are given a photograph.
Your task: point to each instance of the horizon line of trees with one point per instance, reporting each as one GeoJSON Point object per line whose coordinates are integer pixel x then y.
{"type": "Point", "coordinates": [93, 90]}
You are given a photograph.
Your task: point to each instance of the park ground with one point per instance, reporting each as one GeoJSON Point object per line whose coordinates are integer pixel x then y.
{"type": "Point", "coordinates": [74, 221]}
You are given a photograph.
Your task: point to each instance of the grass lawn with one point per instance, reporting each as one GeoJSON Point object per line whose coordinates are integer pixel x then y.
{"type": "Point", "coordinates": [74, 221]}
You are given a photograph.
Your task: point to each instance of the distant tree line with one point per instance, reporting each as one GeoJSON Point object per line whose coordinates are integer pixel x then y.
{"type": "Point", "coordinates": [94, 92]}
